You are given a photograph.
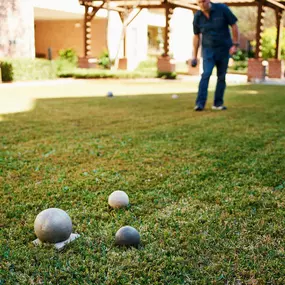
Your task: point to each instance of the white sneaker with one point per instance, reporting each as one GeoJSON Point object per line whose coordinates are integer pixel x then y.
{"type": "Point", "coordinates": [197, 108]}
{"type": "Point", "coordinates": [220, 108]}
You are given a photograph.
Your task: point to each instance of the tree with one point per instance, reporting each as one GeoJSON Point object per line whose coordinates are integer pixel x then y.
{"type": "Point", "coordinates": [247, 19]}
{"type": "Point", "coordinates": [269, 43]}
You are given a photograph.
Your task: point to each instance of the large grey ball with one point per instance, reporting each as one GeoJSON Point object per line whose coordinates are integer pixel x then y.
{"type": "Point", "coordinates": [118, 199]}
{"type": "Point", "coordinates": [53, 225]}
{"type": "Point", "coordinates": [127, 236]}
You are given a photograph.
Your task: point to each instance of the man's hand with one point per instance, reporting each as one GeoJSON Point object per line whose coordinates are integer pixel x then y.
{"type": "Point", "coordinates": [194, 62]}
{"type": "Point", "coordinates": [233, 50]}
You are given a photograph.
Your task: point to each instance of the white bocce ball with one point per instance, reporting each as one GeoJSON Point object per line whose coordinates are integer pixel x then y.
{"type": "Point", "coordinates": [118, 199]}
{"type": "Point", "coordinates": [174, 96]}
{"type": "Point", "coordinates": [127, 236]}
{"type": "Point", "coordinates": [53, 225]}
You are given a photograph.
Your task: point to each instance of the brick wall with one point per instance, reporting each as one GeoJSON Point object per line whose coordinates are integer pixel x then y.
{"type": "Point", "coordinates": [60, 34]}
{"type": "Point", "coordinates": [275, 68]}
{"type": "Point", "coordinates": [255, 69]}
{"type": "Point", "coordinates": [164, 64]}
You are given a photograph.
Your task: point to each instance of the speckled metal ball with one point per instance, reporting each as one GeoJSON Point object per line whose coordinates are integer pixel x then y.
{"type": "Point", "coordinates": [53, 225]}
{"type": "Point", "coordinates": [110, 94]}
{"type": "Point", "coordinates": [127, 236]}
{"type": "Point", "coordinates": [118, 199]}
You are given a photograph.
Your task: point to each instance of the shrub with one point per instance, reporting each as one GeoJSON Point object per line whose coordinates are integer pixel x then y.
{"type": "Point", "coordinates": [63, 66]}
{"type": "Point", "coordinates": [240, 55]}
{"type": "Point", "coordinates": [269, 43]}
{"type": "Point", "coordinates": [7, 71]}
{"type": "Point", "coordinates": [166, 75]}
{"type": "Point", "coordinates": [68, 55]}
{"type": "Point", "coordinates": [99, 73]}
{"type": "Point", "coordinates": [149, 64]}
{"type": "Point", "coordinates": [32, 69]}
{"type": "Point", "coordinates": [104, 60]}
{"type": "Point", "coordinates": [240, 65]}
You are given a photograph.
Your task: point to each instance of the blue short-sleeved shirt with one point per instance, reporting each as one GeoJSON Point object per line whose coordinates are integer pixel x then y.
{"type": "Point", "coordinates": [215, 30]}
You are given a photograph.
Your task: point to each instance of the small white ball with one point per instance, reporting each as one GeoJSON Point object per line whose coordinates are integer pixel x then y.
{"type": "Point", "coordinates": [53, 225]}
{"type": "Point", "coordinates": [174, 96]}
{"type": "Point", "coordinates": [118, 199]}
{"type": "Point", "coordinates": [127, 236]}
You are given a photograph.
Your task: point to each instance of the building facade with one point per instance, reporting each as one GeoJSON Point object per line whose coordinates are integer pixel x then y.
{"type": "Point", "coordinates": [32, 27]}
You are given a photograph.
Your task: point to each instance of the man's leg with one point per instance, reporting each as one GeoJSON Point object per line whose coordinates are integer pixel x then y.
{"type": "Point", "coordinates": [208, 65]}
{"type": "Point", "coordinates": [222, 66]}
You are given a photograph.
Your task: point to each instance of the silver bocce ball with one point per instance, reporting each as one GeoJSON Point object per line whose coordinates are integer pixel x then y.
{"type": "Point", "coordinates": [110, 94]}
{"type": "Point", "coordinates": [53, 225]}
{"type": "Point", "coordinates": [118, 199]}
{"type": "Point", "coordinates": [128, 236]}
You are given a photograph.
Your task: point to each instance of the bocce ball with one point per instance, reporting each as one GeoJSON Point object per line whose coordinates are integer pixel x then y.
{"type": "Point", "coordinates": [53, 225]}
{"type": "Point", "coordinates": [174, 96]}
{"type": "Point", "coordinates": [110, 94]}
{"type": "Point", "coordinates": [118, 199]}
{"type": "Point", "coordinates": [127, 236]}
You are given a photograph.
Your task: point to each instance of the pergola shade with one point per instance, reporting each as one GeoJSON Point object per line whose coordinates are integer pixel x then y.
{"type": "Point", "coordinates": [121, 6]}
{"type": "Point", "coordinates": [188, 4]}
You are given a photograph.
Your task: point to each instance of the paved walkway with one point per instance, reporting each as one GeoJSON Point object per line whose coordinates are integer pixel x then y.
{"type": "Point", "coordinates": [21, 96]}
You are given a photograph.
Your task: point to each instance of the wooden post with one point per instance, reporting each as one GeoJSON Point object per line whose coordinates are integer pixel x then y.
{"type": "Point", "coordinates": [279, 26]}
{"type": "Point", "coordinates": [121, 14]}
{"type": "Point", "coordinates": [88, 16]}
{"type": "Point", "coordinates": [168, 14]}
{"type": "Point", "coordinates": [259, 29]}
{"type": "Point", "coordinates": [164, 62]}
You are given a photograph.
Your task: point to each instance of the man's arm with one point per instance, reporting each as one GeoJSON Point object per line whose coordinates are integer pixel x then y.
{"type": "Point", "coordinates": [235, 33]}
{"type": "Point", "coordinates": [196, 44]}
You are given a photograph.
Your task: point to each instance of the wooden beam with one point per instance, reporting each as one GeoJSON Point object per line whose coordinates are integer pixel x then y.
{"type": "Point", "coordinates": [279, 25]}
{"type": "Point", "coordinates": [152, 4]}
{"type": "Point", "coordinates": [123, 19]}
{"type": "Point", "coordinates": [276, 4]}
{"type": "Point", "coordinates": [142, 6]}
{"type": "Point", "coordinates": [184, 5]}
{"type": "Point", "coordinates": [247, 4]}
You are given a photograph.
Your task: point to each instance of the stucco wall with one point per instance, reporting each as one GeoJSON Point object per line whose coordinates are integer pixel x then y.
{"type": "Point", "coordinates": [60, 34]}
{"type": "Point", "coordinates": [16, 28]}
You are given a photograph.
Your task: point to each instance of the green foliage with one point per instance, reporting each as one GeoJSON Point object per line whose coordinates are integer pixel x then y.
{"type": "Point", "coordinates": [6, 71]}
{"type": "Point", "coordinates": [269, 43]}
{"type": "Point", "coordinates": [149, 64]}
{"type": "Point", "coordinates": [206, 190]}
{"type": "Point", "coordinates": [240, 65]}
{"type": "Point", "coordinates": [32, 69]}
{"type": "Point", "coordinates": [104, 60]}
{"type": "Point", "coordinates": [99, 73]}
{"type": "Point", "coordinates": [68, 55]}
{"type": "Point", "coordinates": [66, 62]}
{"type": "Point", "coordinates": [166, 75]}
{"type": "Point", "coordinates": [63, 66]}
{"type": "Point", "coordinates": [240, 55]}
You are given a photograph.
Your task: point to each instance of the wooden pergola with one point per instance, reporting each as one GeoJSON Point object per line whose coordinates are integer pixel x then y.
{"type": "Point", "coordinates": [121, 6]}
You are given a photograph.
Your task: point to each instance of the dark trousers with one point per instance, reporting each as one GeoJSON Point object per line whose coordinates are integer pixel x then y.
{"type": "Point", "coordinates": [212, 58]}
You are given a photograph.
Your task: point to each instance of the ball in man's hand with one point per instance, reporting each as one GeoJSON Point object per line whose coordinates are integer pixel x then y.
{"type": "Point", "coordinates": [194, 62]}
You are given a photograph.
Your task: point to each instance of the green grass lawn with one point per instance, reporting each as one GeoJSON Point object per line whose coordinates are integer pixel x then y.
{"type": "Point", "coordinates": [206, 189]}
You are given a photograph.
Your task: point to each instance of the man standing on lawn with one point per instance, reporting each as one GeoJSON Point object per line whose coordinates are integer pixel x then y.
{"type": "Point", "coordinates": [212, 22]}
